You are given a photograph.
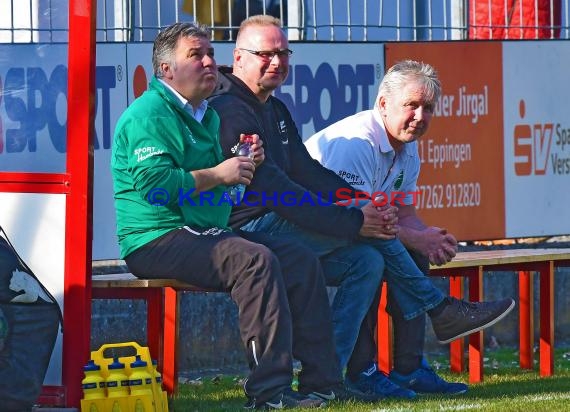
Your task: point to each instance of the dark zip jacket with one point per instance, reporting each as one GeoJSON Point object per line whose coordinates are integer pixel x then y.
{"type": "Point", "coordinates": [289, 182]}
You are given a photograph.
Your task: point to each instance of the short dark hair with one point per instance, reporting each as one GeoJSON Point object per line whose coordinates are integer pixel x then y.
{"type": "Point", "coordinates": [165, 42]}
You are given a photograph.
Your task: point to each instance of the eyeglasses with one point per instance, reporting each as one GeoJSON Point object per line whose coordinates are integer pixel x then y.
{"type": "Point", "coordinates": [268, 55]}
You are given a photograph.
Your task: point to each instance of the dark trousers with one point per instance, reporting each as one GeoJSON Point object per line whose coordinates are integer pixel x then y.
{"type": "Point", "coordinates": [409, 335]}
{"type": "Point", "coordinates": [279, 290]}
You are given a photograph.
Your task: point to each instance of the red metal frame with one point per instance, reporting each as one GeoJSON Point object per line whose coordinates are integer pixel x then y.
{"type": "Point", "coordinates": [52, 395]}
{"type": "Point", "coordinates": [526, 319]}
{"type": "Point", "coordinates": [474, 275]}
{"type": "Point", "coordinates": [475, 339]}
{"type": "Point", "coordinates": [384, 333]}
{"type": "Point", "coordinates": [34, 182]}
{"type": "Point", "coordinates": [546, 270]}
{"type": "Point", "coordinates": [79, 204]}
{"type": "Point", "coordinates": [162, 325]}
{"type": "Point", "coordinates": [457, 347]}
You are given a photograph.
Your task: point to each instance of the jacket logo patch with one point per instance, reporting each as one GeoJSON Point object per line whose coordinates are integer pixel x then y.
{"type": "Point", "coordinates": [399, 180]}
{"type": "Point", "coordinates": [283, 132]}
{"type": "Point", "coordinates": [144, 153]}
{"type": "Point", "coordinates": [235, 148]}
{"type": "Point", "coordinates": [351, 178]}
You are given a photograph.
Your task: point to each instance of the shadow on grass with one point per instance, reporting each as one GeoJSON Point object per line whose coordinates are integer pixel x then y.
{"type": "Point", "coordinates": [519, 383]}
{"type": "Point", "coordinates": [506, 388]}
{"type": "Point", "coordinates": [501, 391]}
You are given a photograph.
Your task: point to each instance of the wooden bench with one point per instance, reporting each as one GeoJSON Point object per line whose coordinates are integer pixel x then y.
{"type": "Point", "coordinates": [473, 265]}
{"type": "Point", "coordinates": [162, 298]}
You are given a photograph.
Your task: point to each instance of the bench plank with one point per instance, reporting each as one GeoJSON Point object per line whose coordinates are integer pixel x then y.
{"type": "Point", "coordinates": [128, 280]}
{"type": "Point", "coordinates": [504, 257]}
{"type": "Point", "coordinates": [462, 260]}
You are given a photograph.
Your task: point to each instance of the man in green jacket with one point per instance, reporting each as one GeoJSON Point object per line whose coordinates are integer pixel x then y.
{"type": "Point", "coordinates": [170, 182]}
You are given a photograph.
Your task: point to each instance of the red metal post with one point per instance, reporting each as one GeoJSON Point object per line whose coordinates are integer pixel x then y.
{"type": "Point", "coordinates": [79, 205]}
{"type": "Point", "coordinates": [384, 333]}
{"type": "Point", "coordinates": [169, 347]}
{"type": "Point", "coordinates": [546, 318]}
{"type": "Point", "coordinates": [476, 339]}
{"type": "Point", "coordinates": [526, 320]}
{"type": "Point", "coordinates": [154, 319]}
{"type": "Point", "coordinates": [456, 348]}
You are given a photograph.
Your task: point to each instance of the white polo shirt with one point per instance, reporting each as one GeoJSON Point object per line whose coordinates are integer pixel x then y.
{"type": "Point", "coordinates": [358, 150]}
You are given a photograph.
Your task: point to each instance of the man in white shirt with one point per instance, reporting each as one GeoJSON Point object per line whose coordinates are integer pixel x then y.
{"type": "Point", "coordinates": [376, 151]}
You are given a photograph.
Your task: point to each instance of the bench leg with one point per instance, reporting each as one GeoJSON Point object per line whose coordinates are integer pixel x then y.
{"type": "Point", "coordinates": [153, 298]}
{"type": "Point", "coordinates": [546, 318]}
{"type": "Point", "coordinates": [476, 339]}
{"type": "Point", "coordinates": [526, 320]}
{"type": "Point", "coordinates": [162, 326]}
{"type": "Point", "coordinates": [169, 347]}
{"type": "Point", "coordinates": [162, 310]}
{"type": "Point", "coordinates": [457, 347]}
{"type": "Point", "coordinates": [384, 333]}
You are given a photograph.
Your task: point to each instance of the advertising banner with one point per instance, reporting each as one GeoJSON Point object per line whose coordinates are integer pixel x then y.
{"type": "Point", "coordinates": [112, 84]}
{"type": "Point", "coordinates": [325, 86]}
{"type": "Point", "coordinates": [33, 108]}
{"type": "Point", "coordinates": [461, 178]}
{"type": "Point", "coordinates": [537, 137]}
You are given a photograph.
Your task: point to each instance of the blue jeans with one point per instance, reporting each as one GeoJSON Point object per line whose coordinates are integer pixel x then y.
{"type": "Point", "coordinates": [355, 271]}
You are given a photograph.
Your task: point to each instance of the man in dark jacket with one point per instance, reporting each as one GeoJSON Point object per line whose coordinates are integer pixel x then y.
{"type": "Point", "coordinates": [292, 194]}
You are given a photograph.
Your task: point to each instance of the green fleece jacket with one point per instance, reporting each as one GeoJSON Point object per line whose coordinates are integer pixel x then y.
{"type": "Point", "coordinates": [156, 145]}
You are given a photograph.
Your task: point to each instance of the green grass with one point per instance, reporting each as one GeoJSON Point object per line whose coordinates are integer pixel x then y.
{"type": "Point", "coordinates": [505, 388]}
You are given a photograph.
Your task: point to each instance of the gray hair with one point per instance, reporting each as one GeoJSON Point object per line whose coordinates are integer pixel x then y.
{"type": "Point", "coordinates": [166, 41]}
{"type": "Point", "coordinates": [404, 72]}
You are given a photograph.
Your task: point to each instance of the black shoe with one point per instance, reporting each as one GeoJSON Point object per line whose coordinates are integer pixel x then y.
{"type": "Point", "coordinates": [461, 318]}
{"type": "Point", "coordinates": [286, 400]}
{"type": "Point", "coordinates": [344, 393]}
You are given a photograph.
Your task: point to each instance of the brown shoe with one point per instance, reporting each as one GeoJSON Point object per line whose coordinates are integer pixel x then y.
{"type": "Point", "coordinates": [461, 318]}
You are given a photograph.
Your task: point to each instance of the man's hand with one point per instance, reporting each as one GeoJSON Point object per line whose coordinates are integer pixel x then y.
{"type": "Point", "coordinates": [256, 148]}
{"type": "Point", "coordinates": [230, 172]}
{"type": "Point", "coordinates": [389, 216]}
{"type": "Point", "coordinates": [379, 222]}
{"type": "Point", "coordinates": [434, 243]}
{"type": "Point", "coordinates": [235, 170]}
{"type": "Point", "coordinates": [438, 245]}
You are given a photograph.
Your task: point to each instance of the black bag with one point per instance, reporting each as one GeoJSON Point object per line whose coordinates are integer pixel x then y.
{"type": "Point", "coordinates": [29, 319]}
